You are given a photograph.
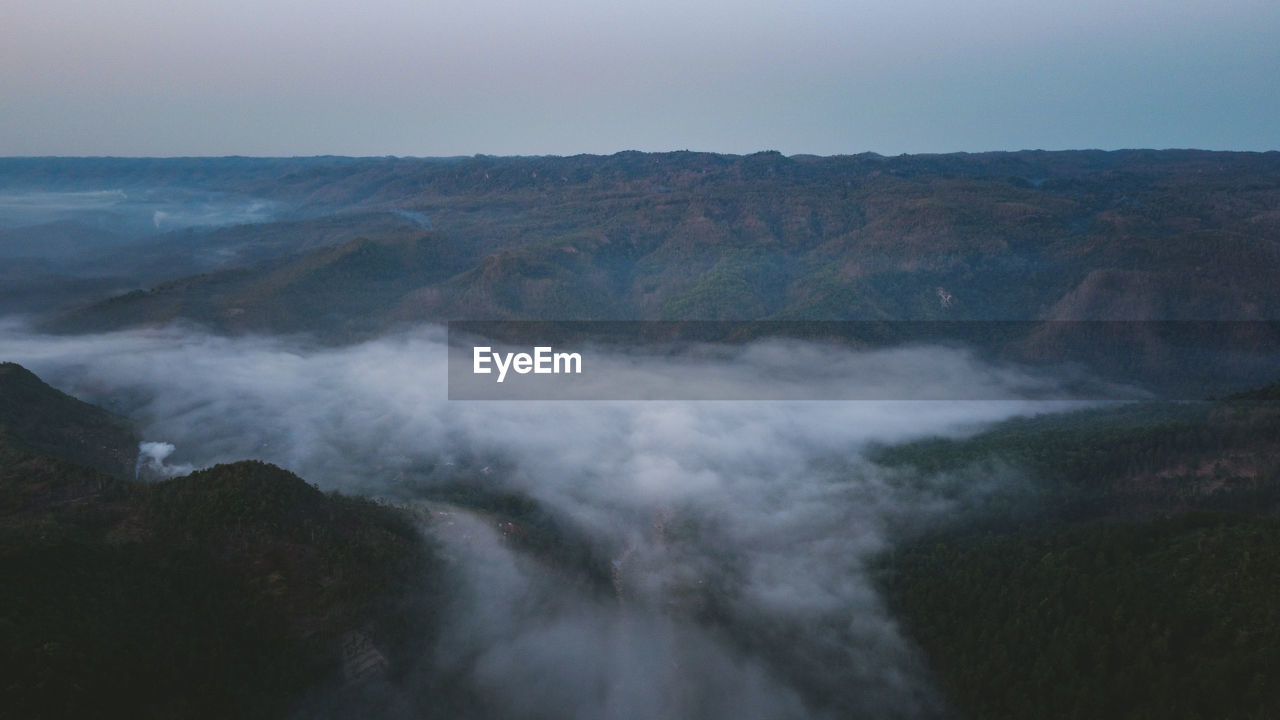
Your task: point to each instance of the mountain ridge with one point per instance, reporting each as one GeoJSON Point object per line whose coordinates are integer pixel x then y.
{"type": "Point", "coordinates": [1068, 235]}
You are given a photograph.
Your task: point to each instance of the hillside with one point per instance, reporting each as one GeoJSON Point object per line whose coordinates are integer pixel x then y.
{"type": "Point", "coordinates": [37, 419]}
{"type": "Point", "coordinates": [338, 291]}
{"type": "Point", "coordinates": [63, 265]}
{"type": "Point", "coordinates": [1134, 578]}
{"type": "Point", "coordinates": [234, 591]}
{"type": "Point", "coordinates": [1131, 461]}
{"type": "Point", "coordinates": [1134, 235]}
{"type": "Point", "coordinates": [1118, 561]}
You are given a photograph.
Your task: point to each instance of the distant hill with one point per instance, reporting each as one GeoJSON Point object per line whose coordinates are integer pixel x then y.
{"type": "Point", "coordinates": [1131, 461]}
{"type": "Point", "coordinates": [65, 265]}
{"type": "Point", "coordinates": [1134, 235]}
{"type": "Point", "coordinates": [340, 291]}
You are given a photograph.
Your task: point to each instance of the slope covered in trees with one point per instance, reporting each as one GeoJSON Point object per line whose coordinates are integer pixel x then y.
{"type": "Point", "coordinates": [1067, 235]}
{"type": "Point", "coordinates": [226, 593]}
{"type": "Point", "coordinates": [1141, 584]}
{"type": "Point", "coordinates": [38, 419]}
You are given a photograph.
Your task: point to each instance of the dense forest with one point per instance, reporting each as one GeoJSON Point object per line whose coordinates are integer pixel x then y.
{"type": "Point", "coordinates": [1131, 576]}
{"type": "Point", "coordinates": [351, 247]}
{"type": "Point", "coordinates": [1140, 584]}
{"type": "Point", "coordinates": [225, 593]}
{"type": "Point", "coordinates": [1114, 560]}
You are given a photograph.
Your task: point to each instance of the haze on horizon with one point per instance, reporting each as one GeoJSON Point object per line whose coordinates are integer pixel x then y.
{"type": "Point", "coordinates": [137, 77]}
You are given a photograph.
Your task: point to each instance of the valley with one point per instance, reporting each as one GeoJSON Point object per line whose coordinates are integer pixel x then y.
{"type": "Point", "coordinates": [970, 435]}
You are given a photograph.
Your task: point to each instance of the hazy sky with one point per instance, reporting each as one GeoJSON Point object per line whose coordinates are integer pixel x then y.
{"type": "Point", "coordinates": [287, 77]}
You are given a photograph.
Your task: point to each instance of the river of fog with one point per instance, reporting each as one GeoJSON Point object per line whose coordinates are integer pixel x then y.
{"type": "Point", "coordinates": [767, 512]}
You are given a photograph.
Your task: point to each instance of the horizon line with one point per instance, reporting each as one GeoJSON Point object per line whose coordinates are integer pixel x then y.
{"type": "Point", "coordinates": [477, 156]}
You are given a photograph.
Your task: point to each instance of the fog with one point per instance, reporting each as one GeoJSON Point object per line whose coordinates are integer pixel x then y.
{"type": "Point", "coordinates": [151, 463]}
{"type": "Point", "coordinates": [738, 534]}
{"type": "Point", "coordinates": [61, 249]}
{"type": "Point", "coordinates": [145, 210]}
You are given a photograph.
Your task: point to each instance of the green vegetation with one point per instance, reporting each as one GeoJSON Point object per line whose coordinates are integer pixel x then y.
{"type": "Point", "coordinates": [222, 594]}
{"type": "Point", "coordinates": [1131, 574]}
{"type": "Point", "coordinates": [1161, 619]}
{"type": "Point", "coordinates": [38, 419]}
{"type": "Point", "coordinates": [741, 285]}
{"type": "Point", "coordinates": [1140, 457]}
{"type": "Point", "coordinates": [1028, 236]}
{"type": "Point", "coordinates": [226, 593]}
{"type": "Point", "coordinates": [1119, 595]}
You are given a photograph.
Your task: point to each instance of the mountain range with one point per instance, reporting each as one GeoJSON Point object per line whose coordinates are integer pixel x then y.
{"type": "Point", "coordinates": [1132, 235]}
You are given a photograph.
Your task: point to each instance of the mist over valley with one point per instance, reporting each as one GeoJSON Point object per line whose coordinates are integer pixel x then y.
{"type": "Point", "coordinates": [228, 384]}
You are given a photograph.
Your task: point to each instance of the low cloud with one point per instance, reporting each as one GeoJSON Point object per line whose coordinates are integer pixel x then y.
{"type": "Point", "coordinates": [151, 462]}
{"type": "Point", "coordinates": [738, 533]}
{"type": "Point", "coordinates": [139, 209]}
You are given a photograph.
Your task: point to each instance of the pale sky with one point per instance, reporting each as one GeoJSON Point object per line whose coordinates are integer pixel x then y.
{"type": "Point", "coordinates": [393, 77]}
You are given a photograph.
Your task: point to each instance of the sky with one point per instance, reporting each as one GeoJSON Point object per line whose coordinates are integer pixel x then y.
{"type": "Point", "coordinates": [503, 77]}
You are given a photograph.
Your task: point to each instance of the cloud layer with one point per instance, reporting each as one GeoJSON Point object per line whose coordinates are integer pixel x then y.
{"type": "Point", "coordinates": [738, 534]}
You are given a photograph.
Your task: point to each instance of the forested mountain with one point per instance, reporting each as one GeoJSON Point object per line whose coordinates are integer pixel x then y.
{"type": "Point", "coordinates": [1032, 235]}
{"type": "Point", "coordinates": [38, 419]}
{"type": "Point", "coordinates": [1140, 584]}
{"type": "Point", "coordinates": [229, 592]}
{"type": "Point", "coordinates": [1117, 561]}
